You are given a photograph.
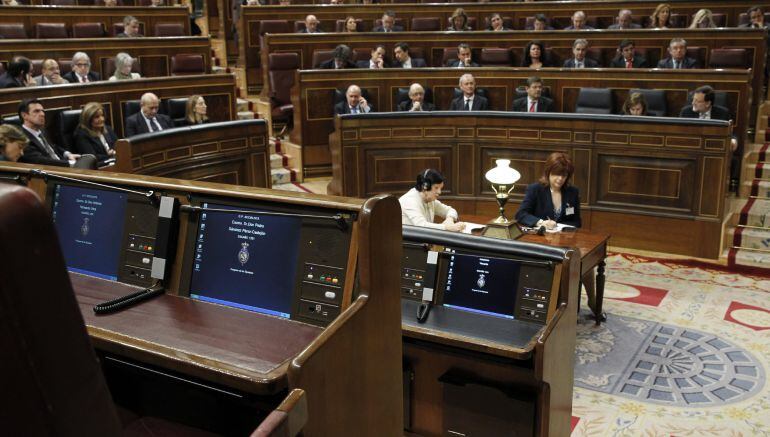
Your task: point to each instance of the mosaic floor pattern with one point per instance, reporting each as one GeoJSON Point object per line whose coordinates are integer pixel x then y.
{"type": "Point", "coordinates": [684, 352]}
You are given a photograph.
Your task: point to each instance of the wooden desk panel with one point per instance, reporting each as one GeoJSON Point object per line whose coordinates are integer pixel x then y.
{"type": "Point", "coordinates": [464, 147]}
{"type": "Point", "coordinates": [231, 347]}
{"type": "Point", "coordinates": [218, 89]}
{"type": "Point", "coordinates": [148, 16]}
{"type": "Point", "coordinates": [233, 153]}
{"type": "Point", "coordinates": [153, 53]}
{"type": "Point", "coordinates": [313, 97]}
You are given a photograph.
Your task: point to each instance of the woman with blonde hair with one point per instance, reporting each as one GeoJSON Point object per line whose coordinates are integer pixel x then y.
{"type": "Point", "coordinates": [458, 22]}
{"type": "Point", "coordinates": [660, 18]}
{"type": "Point", "coordinates": [12, 143]}
{"type": "Point", "coordinates": [93, 135]}
{"type": "Point", "coordinates": [123, 64]}
{"type": "Point", "coordinates": [703, 19]}
{"type": "Point", "coordinates": [195, 111]}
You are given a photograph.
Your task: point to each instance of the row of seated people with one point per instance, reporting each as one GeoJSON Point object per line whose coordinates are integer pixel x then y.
{"type": "Point", "coordinates": [129, 27]}
{"type": "Point", "coordinates": [535, 97]}
{"type": "Point", "coordinates": [22, 72]}
{"type": "Point", "coordinates": [662, 18]}
{"type": "Point", "coordinates": [536, 55]}
{"type": "Point", "coordinates": [87, 140]}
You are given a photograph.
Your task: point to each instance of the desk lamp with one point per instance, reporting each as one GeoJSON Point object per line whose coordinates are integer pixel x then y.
{"type": "Point", "coordinates": [502, 177]}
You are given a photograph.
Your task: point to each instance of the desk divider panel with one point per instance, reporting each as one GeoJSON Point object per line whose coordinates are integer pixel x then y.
{"type": "Point", "coordinates": [220, 366]}
{"type": "Point", "coordinates": [637, 176]}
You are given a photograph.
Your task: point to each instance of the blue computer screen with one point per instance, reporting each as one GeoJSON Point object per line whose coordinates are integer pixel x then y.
{"type": "Point", "coordinates": [482, 284]}
{"type": "Point", "coordinates": [90, 227]}
{"type": "Point", "coordinates": [246, 261]}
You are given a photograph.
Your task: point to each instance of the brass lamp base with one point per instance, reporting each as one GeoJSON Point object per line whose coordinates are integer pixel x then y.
{"type": "Point", "coordinates": [504, 230]}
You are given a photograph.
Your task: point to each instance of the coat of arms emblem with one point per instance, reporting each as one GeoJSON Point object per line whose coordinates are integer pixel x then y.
{"type": "Point", "coordinates": [243, 254]}
{"type": "Point", "coordinates": [481, 281]}
{"type": "Point", "coordinates": [84, 228]}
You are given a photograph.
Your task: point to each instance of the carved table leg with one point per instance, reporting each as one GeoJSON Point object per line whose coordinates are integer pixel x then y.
{"type": "Point", "coordinates": [600, 316]}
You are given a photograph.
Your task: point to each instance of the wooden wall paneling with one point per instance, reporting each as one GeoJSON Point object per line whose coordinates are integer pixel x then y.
{"type": "Point", "coordinates": [619, 178]}
{"type": "Point", "coordinates": [314, 89]}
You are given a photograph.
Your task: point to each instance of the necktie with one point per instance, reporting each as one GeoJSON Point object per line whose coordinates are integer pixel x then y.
{"type": "Point", "coordinates": [467, 104]}
{"type": "Point", "coordinates": [354, 110]}
{"type": "Point", "coordinates": [629, 64]}
{"type": "Point", "coordinates": [83, 79]}
{"type": "Point", "coordinates": [677, 65]}
{"type": "Point", "coordinates": [154, 125]}
{"type": "Point", "coordinates": [48, 148]}
{"type": "Point", "coordinates": [579, 64]}
{"type": "Point", "coordinates": [532, 106]}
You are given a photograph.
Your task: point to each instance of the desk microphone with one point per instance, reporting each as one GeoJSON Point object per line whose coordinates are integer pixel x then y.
{"type": "Point", "coordinates": [541, 230]}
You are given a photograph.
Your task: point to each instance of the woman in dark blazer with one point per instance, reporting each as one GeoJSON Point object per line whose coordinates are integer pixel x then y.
{"type": "Point", "coordinates": [195, 111]}
{"type": "Point", "coordinates": [551, 200]}
{"type": "Point", "coordinates": [93, 136]}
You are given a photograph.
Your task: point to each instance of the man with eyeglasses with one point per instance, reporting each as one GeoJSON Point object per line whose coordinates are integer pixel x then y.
{"type": "Point", "coordinates": [81, 70]}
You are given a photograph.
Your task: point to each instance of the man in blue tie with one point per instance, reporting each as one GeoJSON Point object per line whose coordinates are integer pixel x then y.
{"type": "Point", "coordinates": [354, 103]}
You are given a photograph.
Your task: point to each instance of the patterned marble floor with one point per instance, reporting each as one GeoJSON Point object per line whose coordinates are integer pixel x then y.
{"type": "Point", "coordinates": [685, 352]}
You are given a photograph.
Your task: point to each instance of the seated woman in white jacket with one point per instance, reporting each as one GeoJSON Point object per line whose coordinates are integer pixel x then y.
{"type": "Point", "coordinates": [420, 205]}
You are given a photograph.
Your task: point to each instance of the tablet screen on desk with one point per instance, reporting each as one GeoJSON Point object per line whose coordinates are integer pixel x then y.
{"type": "Point", "coordinates": [90, 225]}
{"type": "Point", "coordinates": [481, 284]}
{"type": "Point", "coordinates": [246, 260]}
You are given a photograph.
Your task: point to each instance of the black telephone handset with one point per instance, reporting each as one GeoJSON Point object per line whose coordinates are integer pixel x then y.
{"type": "Point", "coordinates": [422, 312]}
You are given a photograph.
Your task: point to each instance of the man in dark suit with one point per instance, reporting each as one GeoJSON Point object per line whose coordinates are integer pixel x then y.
{"type": "Point", "coordinates": [416, 102]}
{"type": "Point", "coordinates": [579, 22]}
{"type": "Point", "coordinates": [579, 59]}
{"type": "Point", "coordinates": [624, 21]}
{"type": "Point", "coordinates": [469, 101]}
{"type": "Point", "coordinates": [340, 59]}
{"type": "Point", "coordinates": [627, 57]}
{"type": "Point", "coordinates": [463, 57]}
{"type": "Point", "coordinates": [376, 61]}
{"type": "Point", "coordinates": [40, 150]}
{"type": "Point", "coordinates": [388, 23]}
{"type": "Point", "coordinates": [354, 103]}
{"type": "Point", "coordinates": [50, 74]}
{"type": "Point", "coordinates": [147, 119]}
{"type": "Point", "coordinates": [130, 28]}
{"type": "Point", "coordinates": [756, 18]}
{"type": "Point", "coordinates": [534, 101]}
{"type": "Point", "coordinates": [17, 74]}
{"type": "Point", "coordinates": [677, 50]}
{"type": "Point", "coordinates": [541, 23]}
{"type": "Point", "coordinates": [81, 70]}
{"type": "Point", "coordinates": [311, 25]}
{"type": "Point", "coordinates": [403, 59]}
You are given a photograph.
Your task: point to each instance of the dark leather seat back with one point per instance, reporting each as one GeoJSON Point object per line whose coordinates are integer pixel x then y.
{"type": "Point", "coordinates": [169, 29]}
{"type": "Point", "coordinates": [281, 70]}
{"type": "Point", "coordinates": [521, 91]}
{"type": "Point", "coordinates": [402, 95]}
{"type": "Point", "coordinates": [50, 30]}
{"type": "Point", "coordinates": [186, 64]}
{"type": "Point", "coordinates": [130, 107]}
{"type": "Point", "coordinates": [743, 18]}
{"type": "Point", "coordinates": [12, 119]}
{"type": "Point", "coordinates": [176, 109]}
{"type": "Point", "coordinates": [398, 22]}
{"type": "Point", "coordinates": [13, 31]}
{"type": "Point", "coordinates": [63, 2]}
{"type": "Point", "coordinates": [729, 58]}
{"type": "Point", "coordinates": [37, 67]}
{"type": "Point", "coordinates": [426, 24]}
{"type": "Point", "coordinates": [495, 57]}
{"type": "Point", "coordinates": [594, 101]}
{"type": "Point", "coordinates": [479, 92]}
{"type": "Point", "coordinates": [118, 28]}
{"type": "Point", "coordinates": [697, 53]}
{"type": "Point", "coordinates": [678, 21]}
{"type": "Point", "coordinates": [88, 30]}
{"type": "Point", "coordinates": [450, 54]}
{"type": "Point", "coordinates": [656, 101]}
{"type": "Point", "coordinates": [720, 19]}
{"type": "Point", "coordinates": [53, 383]}
{"type": "Point", "coordinates": [68, 122]}
{"type": "Point", "coordinates": [720, 99]}
{"type": "Point", "coordinates": [321, 56]}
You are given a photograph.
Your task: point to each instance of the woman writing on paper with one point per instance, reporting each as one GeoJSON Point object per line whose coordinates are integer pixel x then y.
{"type": "Point", "coordinates": [420, 205]}
{"type": "Point", "coordinates": [552, 200]}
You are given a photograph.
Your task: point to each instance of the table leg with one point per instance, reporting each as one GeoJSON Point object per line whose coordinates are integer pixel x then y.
{"type": "Point", "coordinates": [600, 316]}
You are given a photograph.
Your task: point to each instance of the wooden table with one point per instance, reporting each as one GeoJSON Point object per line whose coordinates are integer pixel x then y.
{"type": "Point", "coordinates": [593, 251]}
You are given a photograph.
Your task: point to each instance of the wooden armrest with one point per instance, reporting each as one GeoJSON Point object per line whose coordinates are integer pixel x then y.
{"type": "Point", "coordinates": [288, 419]}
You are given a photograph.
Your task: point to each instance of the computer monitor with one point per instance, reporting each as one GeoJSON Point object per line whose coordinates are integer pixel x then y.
{"type": "Point", "coordinates": [481, 284]}
{"type": "Point", "coordinates": [90, 225]}
{"type": "Point", "coordinates": [244, 260]}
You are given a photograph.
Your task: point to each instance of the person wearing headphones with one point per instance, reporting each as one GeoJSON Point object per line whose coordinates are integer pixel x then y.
{"type": "Point", "coordinates": [420, 205]}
